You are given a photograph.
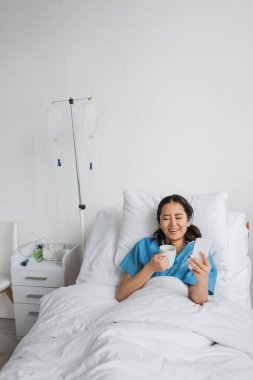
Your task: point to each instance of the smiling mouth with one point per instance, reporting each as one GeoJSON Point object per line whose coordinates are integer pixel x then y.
{"type": "Point", "coordinates": [173, 231]}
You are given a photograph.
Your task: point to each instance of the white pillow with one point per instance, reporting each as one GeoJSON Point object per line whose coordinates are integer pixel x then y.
{"type": "Point", "coordinates": [98, 264]}
{"type": "Point", "coordinates": [234, 283]}
{"type": "Point", "coordinates": [139, 220]}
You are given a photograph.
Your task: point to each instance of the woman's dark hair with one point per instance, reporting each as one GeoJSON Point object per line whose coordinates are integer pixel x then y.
{"type": "Point", "coordinates": [192, 232]}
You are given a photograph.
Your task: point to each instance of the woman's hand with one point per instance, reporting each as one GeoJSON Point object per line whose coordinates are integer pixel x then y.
{"type": "Point", "coordinates": [199, 293]}
{"type": "Point", "coordinates": [200, 269]}
{"type": "Point", "coordinates": [159, 262]}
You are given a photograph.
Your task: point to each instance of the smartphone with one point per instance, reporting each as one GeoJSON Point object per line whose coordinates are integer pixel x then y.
{"type": "Point", "coordinates": [201, 245]}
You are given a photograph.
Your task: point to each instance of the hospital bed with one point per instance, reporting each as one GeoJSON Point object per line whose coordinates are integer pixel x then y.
{"type": "Point", "coordinates": [83, 332]}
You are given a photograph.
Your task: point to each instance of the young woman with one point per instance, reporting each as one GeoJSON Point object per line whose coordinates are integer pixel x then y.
{"type": "Point", "coordinates": [144, 261]}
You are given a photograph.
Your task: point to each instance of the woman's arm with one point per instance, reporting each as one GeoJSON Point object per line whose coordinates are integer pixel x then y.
{"type": "Point", "coordinates": [130, 284]}
{"type": "Point", "coordinates": [199, 293]}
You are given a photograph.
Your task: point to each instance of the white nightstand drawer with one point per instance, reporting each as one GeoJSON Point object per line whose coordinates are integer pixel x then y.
{"type": "Point", "coordinates": [24, 311]}
{"type": "Point", "coordinates": [22, 327]}
{"type": "Point", "coordinates": [29, 294]}
{"type": "Point", "coordinates": [44, 278]}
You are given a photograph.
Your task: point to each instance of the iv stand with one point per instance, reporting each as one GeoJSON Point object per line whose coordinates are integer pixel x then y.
{"type": "Point", "coordinates": [81, 205]}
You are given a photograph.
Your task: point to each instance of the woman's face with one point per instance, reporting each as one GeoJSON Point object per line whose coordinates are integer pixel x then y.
{"type": "Point", "coordinates": [173, 222]}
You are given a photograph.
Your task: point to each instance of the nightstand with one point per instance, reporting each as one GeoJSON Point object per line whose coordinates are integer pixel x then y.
{"type": "Point", "coordinates": [32, 282]}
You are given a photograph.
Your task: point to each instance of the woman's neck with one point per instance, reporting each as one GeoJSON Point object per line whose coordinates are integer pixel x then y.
{"type": "Point", "coordinates": [179, 244]}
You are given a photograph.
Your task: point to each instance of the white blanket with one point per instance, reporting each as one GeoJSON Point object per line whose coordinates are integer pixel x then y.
{"type": "Point", "coordinates": [157, 333]}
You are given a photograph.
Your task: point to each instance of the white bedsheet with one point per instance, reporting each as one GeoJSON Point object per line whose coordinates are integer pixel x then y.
{"type": "Point", "coordinates": [157, 333]}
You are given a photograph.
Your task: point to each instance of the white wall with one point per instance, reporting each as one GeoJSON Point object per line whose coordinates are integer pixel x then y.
{"type": "Point", "coordinates": [173, 81]}
{"type": "Point", "coordinates": [31, 75]}
{"type": "Point", "coordinates": [173, 84]}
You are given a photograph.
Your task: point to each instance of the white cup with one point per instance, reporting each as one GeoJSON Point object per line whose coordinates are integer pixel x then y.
{"type": "Point", "coordinates": [59, 255]}
{"type": "Point", "coordinates": [170, 251]}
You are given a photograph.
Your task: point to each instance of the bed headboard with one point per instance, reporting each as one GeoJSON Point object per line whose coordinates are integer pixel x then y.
{"type": "Point", "coordinates": [72, 262]}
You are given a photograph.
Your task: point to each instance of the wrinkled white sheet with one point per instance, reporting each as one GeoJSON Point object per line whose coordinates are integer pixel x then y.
{"type": "Point", "coordinates": [157, 333]}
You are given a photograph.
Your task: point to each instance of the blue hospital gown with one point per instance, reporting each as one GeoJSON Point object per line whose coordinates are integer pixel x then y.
{"type": "Point", "coordinates": [145, 249]}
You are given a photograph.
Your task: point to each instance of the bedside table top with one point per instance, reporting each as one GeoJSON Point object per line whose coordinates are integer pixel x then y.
{"type": "Point", "coordinates": [32, 264]}
{"type": "Point", "coordinates": [47, 272]}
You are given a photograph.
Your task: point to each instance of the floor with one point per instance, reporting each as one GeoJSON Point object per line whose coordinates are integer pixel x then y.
{"type": "Point", "coordinates": [8, 339]}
